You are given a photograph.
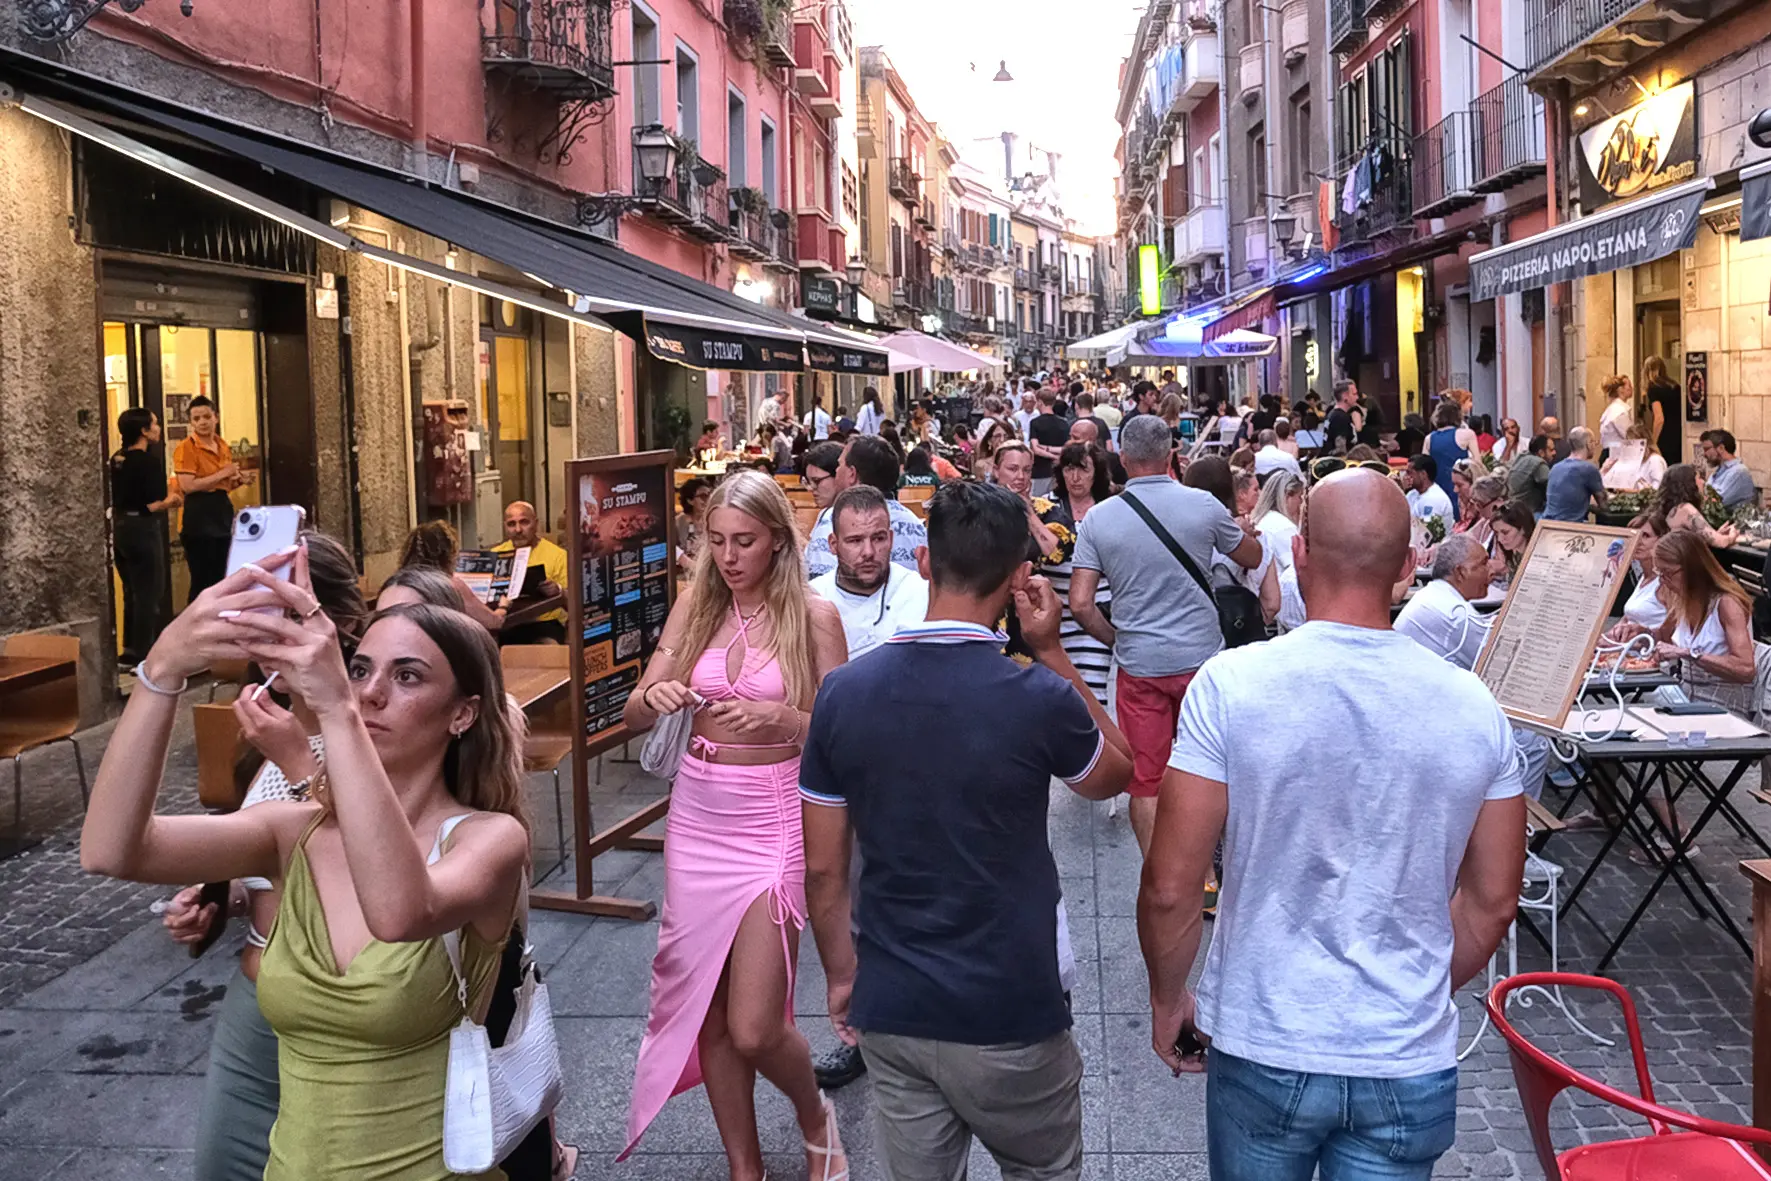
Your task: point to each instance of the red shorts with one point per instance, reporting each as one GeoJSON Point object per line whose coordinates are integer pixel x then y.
{"type": "Point", "coordinates": [1149, 714]}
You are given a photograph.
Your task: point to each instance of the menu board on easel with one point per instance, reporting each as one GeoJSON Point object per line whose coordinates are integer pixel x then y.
{"type": "Point", "coordinates": [622, 544]}
{"type": "Point", "coordinates": [1538, 651]}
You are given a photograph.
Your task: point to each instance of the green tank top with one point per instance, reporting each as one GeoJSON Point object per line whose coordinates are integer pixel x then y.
{"type": "Point", "coordinates": [362, 1056]}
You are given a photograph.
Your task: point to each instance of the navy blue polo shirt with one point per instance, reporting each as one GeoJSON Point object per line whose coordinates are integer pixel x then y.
{"type": "Point", "coordinates": [957, 906]}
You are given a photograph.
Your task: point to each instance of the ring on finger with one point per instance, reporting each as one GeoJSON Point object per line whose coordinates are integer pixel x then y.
{"type": "Point", "coordinates": [310, 613]}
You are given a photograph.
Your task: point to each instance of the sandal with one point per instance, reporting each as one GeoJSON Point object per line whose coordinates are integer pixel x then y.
{"type": "Point", "coordinates": [565, 1161]}
{"type": "Point", "coordinates": [832, 1148]}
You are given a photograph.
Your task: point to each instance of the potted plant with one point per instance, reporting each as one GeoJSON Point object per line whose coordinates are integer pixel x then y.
{"type": "Point", "coordinates": [707, 172]}
{"type": "Point", "coordinates": [744, 18]}
{"type": "Point", "coordinates": [750, 200]}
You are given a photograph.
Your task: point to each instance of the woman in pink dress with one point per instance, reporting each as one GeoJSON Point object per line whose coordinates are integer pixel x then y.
{"type": "Point", "coordinates": [745, 649]}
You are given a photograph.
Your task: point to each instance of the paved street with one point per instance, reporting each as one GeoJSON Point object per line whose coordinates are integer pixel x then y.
{"type": "Point", "coordinates": [105, 1024]}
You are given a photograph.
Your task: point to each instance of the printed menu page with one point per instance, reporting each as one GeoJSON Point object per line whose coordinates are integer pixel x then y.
{"type": "Point", "coordinates": [1537, 654]}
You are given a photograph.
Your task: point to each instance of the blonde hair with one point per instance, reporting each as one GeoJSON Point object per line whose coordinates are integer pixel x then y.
{"type": "Point", "coordinates": [1613, 383]}
{"type": "Point", "coordinates": [784, 590]}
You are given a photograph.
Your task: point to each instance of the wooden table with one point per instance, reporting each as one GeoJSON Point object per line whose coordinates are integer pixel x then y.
{"type": "Point", "coordinates": [26, 672]}
{"type": "Point", "coordinates": [533, 686]}
{"type": "Point", "coordinates": [521, 611]}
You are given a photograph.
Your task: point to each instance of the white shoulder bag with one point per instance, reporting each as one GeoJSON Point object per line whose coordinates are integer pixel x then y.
{"type": "Point", "coordinates": [665, 745]}
{"type": "Point", "coordinates": [495, 1097]}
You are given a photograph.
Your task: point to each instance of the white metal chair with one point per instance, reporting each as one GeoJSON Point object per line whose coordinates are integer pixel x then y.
{"type": "Point", "coordinates": [1541, 894]}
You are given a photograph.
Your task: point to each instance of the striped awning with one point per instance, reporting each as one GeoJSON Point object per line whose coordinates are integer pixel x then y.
{"type": "Point", "coordinates": [1250, 312]}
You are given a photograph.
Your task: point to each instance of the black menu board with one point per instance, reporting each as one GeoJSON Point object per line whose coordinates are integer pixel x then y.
{"type": "Point", "coordinates": [623, 547]}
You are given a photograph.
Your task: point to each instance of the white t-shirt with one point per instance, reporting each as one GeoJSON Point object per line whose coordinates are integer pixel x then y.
{"type": "Point", "coordinates": [1431, 503]}
{"type": "Point", "coordinates": [1332, 948]}
{"type": "Point", "coordinates": [1022, 418]}
{"type": "Point", "coordinates": [818, 422]}
{"type": "Point", "coordinates": [868, 420]}
{"type": "Point", "coordinates": [1442, 621]}
{"type": "Point", "coordinates": [769, 410]}
{"type": "Point", "coordinates": [1615, 423]}
{"type": "Point", "coordinates": [1272, 459]}
{"type": "Point", "coordinates": [870, 620]}
{"type": "Point", "coordinates": [1644, 606]}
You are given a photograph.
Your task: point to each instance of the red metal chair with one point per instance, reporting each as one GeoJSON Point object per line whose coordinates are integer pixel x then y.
{"type": "Point", "coordinates": [1709, 1151]}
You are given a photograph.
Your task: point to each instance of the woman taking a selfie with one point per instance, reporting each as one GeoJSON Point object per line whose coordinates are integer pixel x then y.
{"type": "Point", "coordinates": [745, 649]}
{"type": "Point", "coordinates": [413, 830]}
{"type": "Point", "coordinates": [240, 1085]}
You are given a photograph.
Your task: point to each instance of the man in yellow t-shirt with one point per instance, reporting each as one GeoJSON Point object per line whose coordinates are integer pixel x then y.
{"type": "Point", "coordinates": [523, 527]}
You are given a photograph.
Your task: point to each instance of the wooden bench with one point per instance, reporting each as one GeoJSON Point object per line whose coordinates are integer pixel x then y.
{"type": "Point", "coordinates": [1542, 822]}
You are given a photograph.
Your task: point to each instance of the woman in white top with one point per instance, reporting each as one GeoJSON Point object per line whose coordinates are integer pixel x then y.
{"type": "Point", "coordinates": [1647, 606]}
{"type": "Point", "coordinates": [1615, 422]}
{"type": "Point", "coordinates": [1508, 447]}
{"type": "Point", "coordinates": [1275, 518]}
{"type": "Point", "coordinates": [1625, 473]}
{"type": "Point", "coordinates": [1708, 627]}
{"type": "Point", "coordinates": [869, 417]}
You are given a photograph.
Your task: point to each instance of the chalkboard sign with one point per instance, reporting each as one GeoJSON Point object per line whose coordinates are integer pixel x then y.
{"type": "Point", "coordinates": [622, 544]}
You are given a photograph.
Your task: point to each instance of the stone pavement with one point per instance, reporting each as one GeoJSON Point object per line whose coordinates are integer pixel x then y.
{"type": "Point", "coordinates": [101, 1060]}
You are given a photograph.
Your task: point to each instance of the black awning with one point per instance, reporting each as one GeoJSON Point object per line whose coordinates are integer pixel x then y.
{"type": "Point", "coordinates": [1410, 254]}
{"type": "Point", "coordinates": [707, 348]}
{"type": "Point", "coordinates": [1755, 202]}
{"type": "Point", "coordinates": [1621, 236]}
{"type": "Point", "coordinates": [638, 296]}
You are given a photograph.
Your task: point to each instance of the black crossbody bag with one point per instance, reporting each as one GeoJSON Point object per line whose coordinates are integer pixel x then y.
{"type": "Point", "coordinates": [1239, 609]}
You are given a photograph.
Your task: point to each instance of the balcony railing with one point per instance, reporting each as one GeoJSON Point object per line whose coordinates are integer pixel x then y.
{"type": "Point", "coordinates": [1387, 206]}
{"type": "Point", "coordinates": [1023, 277]}
{"type": "Point", "coordinates": [561, 47]}
{"type": "Point", "coordinates": [750, 234]}
{"type": "Point", "coordinates": [777, 38]}
{"type": "Point", "coordinates": [1200, 234]}
{"type": "Point", "coordinates": [694, 199]}
{"type": "Point", "coordinates": [904, 182]}
{"type": "Point", "coordinates": [1445, 166]}
{"type": "Point", "coordinates": [1346, 25]}
{"type": "Point", "coordinates": [1252, 71]}
{"type": "Point", "coordinates": [815, 247]}
{"type": "Point", "coordinates": [1509, 136]}
{"type": "Point", "coordinates": [1559, 26]}
{"type": "Point", "coordinates": [784, 250]}
{"type": "Point", "coordinates": [950, 241]}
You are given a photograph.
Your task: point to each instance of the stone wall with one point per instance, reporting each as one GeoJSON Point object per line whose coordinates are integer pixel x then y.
{"type": "Point", "coordinates": [54, 568]}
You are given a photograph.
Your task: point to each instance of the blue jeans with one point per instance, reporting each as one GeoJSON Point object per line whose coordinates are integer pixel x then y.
{"type": "Point", "coordinates": [1264, 1124]}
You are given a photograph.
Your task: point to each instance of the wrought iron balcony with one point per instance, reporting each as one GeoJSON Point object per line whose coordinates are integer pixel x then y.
{"type": "Point", "coordinates": [1445, 166]}
{"type": "Point", "coordinates": [1509, 136]}
{"type": "Point", "coordinates": [1346, 25]}
{"type": "Point", "coordinates": [784, 251]}
{"type": "Point", "coordinates": [1562, 26]}
{"type": "Point", "coordinates": [777, 38]}
{"type": "Point", "coordinates": [1022, 277]}
{"type": "Point", "coordinates": [560, 47]}
{"type": "Point", "coordinates": [1384, 204]}
{"type": "Point", "coordinates": [904, 182]}
{"type": "Point", "coordinates": [693, 199]}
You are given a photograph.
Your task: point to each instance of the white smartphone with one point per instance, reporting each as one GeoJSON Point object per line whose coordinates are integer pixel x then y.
{"type": "Point", "coordinates": [262, 532]}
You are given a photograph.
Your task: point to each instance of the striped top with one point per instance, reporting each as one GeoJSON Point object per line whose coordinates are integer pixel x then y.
{"type": "Point", "coordinates": [1093, 659]}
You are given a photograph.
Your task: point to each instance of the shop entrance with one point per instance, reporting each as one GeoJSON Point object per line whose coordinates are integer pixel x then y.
{"type": "Point", "coordinates": [170, 337]}
{"type": "Point", "coordinates": [1660, 333]}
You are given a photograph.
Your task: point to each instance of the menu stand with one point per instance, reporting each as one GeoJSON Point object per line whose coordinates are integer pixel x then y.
{"type": "Point", "coordinates": [621, 547]}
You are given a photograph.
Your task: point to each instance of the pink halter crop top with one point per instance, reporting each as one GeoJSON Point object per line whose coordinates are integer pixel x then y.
{"type": "Point", "coordinates": [759, 674]}
{"type": "Point", "coordinates": [759, 679]}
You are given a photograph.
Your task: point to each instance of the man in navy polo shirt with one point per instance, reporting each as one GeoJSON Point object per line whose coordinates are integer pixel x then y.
{"type": "Point", "coordinates": [956, 1000]}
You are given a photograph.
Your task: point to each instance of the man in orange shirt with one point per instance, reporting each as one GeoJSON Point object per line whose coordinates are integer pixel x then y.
{"type": "Point", "coordinates": [206, 474]}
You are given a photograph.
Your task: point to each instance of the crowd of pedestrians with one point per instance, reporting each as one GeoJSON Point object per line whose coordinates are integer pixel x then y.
{"type": "Point", "coordinates": [1088, 596]}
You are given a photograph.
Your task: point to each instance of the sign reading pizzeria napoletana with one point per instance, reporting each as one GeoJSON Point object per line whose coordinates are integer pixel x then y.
{"type": "Point", "coordinates": [1646, 147]}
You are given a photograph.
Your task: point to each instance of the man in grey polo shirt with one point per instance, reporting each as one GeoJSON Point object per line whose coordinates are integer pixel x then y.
{"type": "Point", "coordinates": [1164, 624]}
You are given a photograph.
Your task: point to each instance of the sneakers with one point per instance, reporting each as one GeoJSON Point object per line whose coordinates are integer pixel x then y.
{"type": "Point", "coordinates": [1211, 900]}
{"type": "Point", "coordinates": [839, 1067]}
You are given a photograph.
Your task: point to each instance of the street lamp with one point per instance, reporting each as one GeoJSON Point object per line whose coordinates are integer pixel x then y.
{"type": "Point", "coordinates": [655, 150]}
{"type": "Point", "coordinates": [655, 154]}
{"type": "Point", "coordinates": [56, 21]}
{"type": "Point", "coordinates": [1285, 226]}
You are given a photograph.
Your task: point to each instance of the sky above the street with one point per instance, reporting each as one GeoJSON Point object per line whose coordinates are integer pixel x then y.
{"type": "Point", "coordinates": [1065, 61]}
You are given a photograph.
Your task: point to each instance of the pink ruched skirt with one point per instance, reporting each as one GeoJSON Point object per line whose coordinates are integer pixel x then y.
{"type": "Point", "coordinates": [733, 835]}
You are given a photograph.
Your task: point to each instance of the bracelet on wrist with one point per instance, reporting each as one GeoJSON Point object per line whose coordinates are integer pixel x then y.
{"type": "Point", "coordinates": [142, 679]}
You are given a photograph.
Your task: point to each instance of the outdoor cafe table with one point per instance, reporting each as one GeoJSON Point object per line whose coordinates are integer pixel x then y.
{"type": "Point", "coordinates": [1629, 770]}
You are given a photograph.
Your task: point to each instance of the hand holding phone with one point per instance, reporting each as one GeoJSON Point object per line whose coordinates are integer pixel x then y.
{"type": "Point", "coordinates": [260, 533]}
